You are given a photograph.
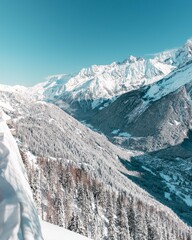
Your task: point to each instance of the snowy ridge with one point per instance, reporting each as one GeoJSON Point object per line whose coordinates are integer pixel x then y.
{"type": "Point", "coordinates": [100, 83]}
{"type": "Point", "coordinates": [16, 88]}
{"type": "Point", "coordinates": [20, 219]}
{"type": "Point", "coordinates": [171, 83]}
{"type": "Point", "coordinates": [177, 57]}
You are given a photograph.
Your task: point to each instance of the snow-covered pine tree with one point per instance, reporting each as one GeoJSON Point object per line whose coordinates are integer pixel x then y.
{"type": "Point", "coordinates": [59, 208]}
{"type": "Point", "coordinates": [122, 219]}
{"type": "Point", "coordinates": [76, 225]}
{"type": "Point", "coordinates": [111, 217]}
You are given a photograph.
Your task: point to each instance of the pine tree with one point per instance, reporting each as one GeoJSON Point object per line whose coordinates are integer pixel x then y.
{"type": "Point", "coordinates": [122, 219]}
{"type": "Point", "coordinates": [49, 210]}
{"type": "Point", "coordinates": [141, 231]}
{"type": "Point", "coordinates": [110, 216]}
{"type": "Point", "coordinates": [36, 187]}
{"type": "Point", "coordinates": [59, 208]}
{"type": "Point", "coordinates": [75, 224]}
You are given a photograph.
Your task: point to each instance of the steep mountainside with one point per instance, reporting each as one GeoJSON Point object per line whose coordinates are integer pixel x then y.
{"type": "Point", "coordinates": [18, 215]}
{"type": "Point", "coordinates": [157, 120]}
{"type": "Point", "coordinates": [152, 117]}
{"type": "Point", "coordinates": [79, 179]}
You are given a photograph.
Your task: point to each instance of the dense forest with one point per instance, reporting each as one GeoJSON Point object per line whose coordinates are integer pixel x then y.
{"type": "Point", "coordinates": [68, 196]}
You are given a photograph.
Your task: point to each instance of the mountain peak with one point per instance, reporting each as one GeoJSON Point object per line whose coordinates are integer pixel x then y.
{"type": "Point", "coordinates": [188, 45]}
{"type": "Point", "coordinates": [132, 58]}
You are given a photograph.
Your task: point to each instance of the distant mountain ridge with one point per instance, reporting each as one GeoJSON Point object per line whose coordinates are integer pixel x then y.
{"type": "Point", "coordinates": [99, 85]}
{"type": "Point", "coordinates": [96, 85]}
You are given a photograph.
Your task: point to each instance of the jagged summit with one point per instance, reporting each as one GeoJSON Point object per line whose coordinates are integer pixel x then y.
{"type": "Point", "coordinates": [177, 57]}
{"type": "Point", "coordinates": [189, 44]}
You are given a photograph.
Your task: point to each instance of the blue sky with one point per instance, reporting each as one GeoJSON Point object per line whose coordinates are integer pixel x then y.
{"type": "Point", "coordinates": [44, 37]}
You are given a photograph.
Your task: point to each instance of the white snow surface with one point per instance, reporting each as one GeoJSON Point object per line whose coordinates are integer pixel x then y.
{"type": "Point", "coordinates": [148, 170]}
{"type": "Point", "coordinates": [115, 131]}
{"type": "Point", "coordinates": [165, 177]}
{"type": "Point", "coordinates": [6, 106]}
{"type": "Point", "coordinates": [18, 216]}
{"type": "Point", "coordinates": [171, 83]}
{"type": "Point", "coordinates": [168, 196]}
{"type": "Point", "coordinates": [188, 200]}
{"type": "Point", "coordinates": [53, 232]}
{"type": "Point", "coordinates": [125, 134]}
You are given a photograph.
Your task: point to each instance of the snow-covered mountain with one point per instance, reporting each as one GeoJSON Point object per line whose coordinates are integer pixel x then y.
{"type": "Point", "coordinates": [96, 87]}
{"type": "Point", "coordinates": [177, 57]}
{"type": "Point", "coordinates": [99, 85]}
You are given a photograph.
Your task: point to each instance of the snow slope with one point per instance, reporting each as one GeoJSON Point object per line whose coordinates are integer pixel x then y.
{"type": "Point", "coordinates": [19, 218]}
{"type": "Point", "coordinates": [177, 57]}
{"type": "Point", "coordinates": [171, 83]}
{"type": "Point", "coordinates": [53, 232]}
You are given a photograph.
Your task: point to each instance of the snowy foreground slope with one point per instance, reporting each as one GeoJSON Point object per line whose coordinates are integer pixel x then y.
{"type": "Point", "coordinates": [53, 232]}
{"type": "Point", "coordinates": [18, 216]}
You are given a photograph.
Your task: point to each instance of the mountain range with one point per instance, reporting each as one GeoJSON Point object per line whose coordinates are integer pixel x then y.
{"type": "Point", "coordinates": [97, 86]}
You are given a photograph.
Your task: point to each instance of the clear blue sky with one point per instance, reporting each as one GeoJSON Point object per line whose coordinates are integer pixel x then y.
{"type": "Point", "coordinates": [44, 37]}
